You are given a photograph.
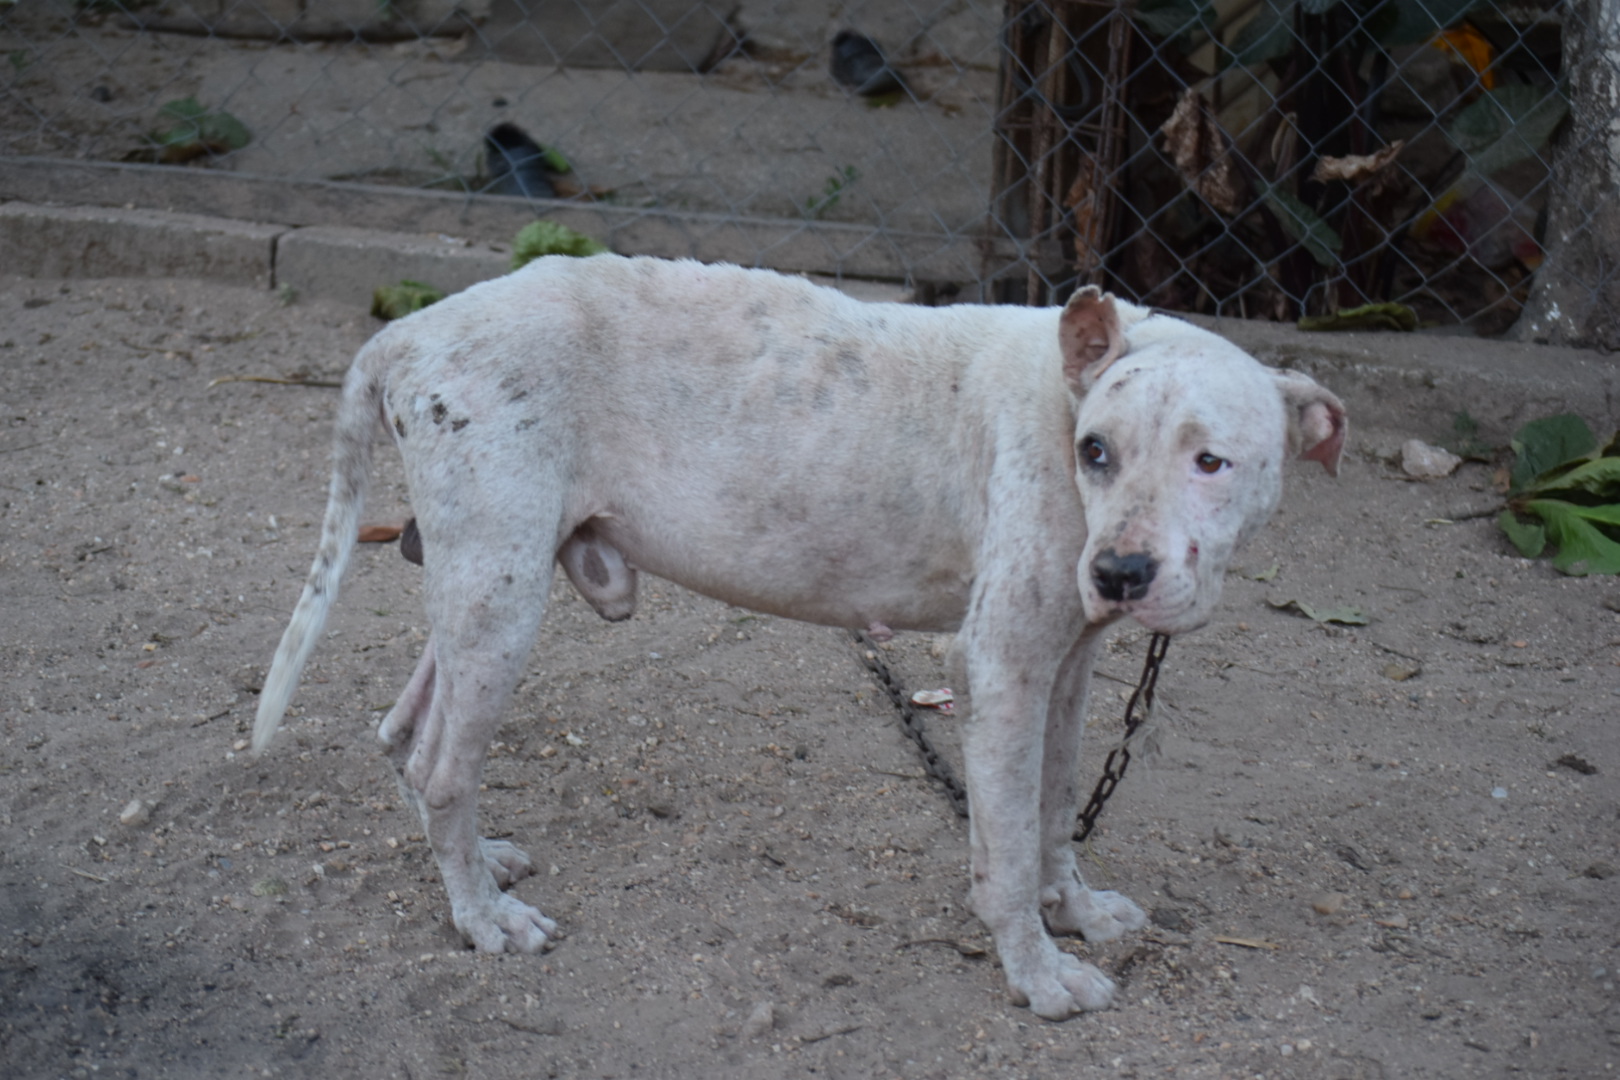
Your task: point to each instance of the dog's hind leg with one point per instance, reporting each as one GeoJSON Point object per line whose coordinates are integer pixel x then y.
{"type": "Point", "coordinates": [486, 595]}
{"type": "Point", "coordinates": [506, 862]}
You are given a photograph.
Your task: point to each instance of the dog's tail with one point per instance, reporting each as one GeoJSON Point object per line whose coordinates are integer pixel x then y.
{"type": "Point", "coordinates": [358, 418]}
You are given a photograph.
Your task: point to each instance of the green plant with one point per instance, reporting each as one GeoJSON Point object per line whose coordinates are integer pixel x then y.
{"type": "Point", "coordinates": [1564, 489]}
{"type": "Point", "coordinates": [831, 191]}
{"type": "Point", "coordinates": [196, 130]}
{"type": "Point", "coordinates": [539, 238]}
{"type": "Point", "coordinates": [1465, 441]}
{"type": "Point", "coordinates": [398, 301]}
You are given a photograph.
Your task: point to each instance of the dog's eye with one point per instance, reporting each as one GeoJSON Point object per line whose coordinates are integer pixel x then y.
{"type": "Point", "coordinates": [1093, 452]}
{"type": "Point", "coordinates": [1210, 464]}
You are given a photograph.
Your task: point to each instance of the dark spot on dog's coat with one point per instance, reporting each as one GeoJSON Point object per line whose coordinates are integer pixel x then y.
{"type": "Point", "coordinates": [399, 426]}
{"type": "Point", "coordinates": [595, 569]}
{"type": "Point", "coordinates": [457, 425]}
{"type": "Point", "coordinates": [526, 423]}
{"type": "Point", "coordinates": [440, 411]}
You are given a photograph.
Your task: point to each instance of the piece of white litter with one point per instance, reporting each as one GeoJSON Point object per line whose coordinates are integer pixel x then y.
{"type": "Point", "coordinates": [1499, 793]}
{"type": "Point", "coordinates": [1419, 459]}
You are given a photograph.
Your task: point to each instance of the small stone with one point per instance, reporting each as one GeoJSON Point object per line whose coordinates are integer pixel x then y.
{"type": "Point", "coordinates": [1425, 462]}
{"type": "Point", "coordinates": [1599, 870]}
{"type": "Point", "coordinates": [1400, 672]}
{"type": "Point", "coordinates": [1171, 918]}
{"type": "Point", "coordinates": [1233, 836]}
{"type": "Point", "coordinates": [760, 1021]}
{"type": "Point", "coordinates": [1329, 903]}
{"type": "Point", "coordinates": [135, 813]}
{"type": "Point", "coordinates": [1394, 922]}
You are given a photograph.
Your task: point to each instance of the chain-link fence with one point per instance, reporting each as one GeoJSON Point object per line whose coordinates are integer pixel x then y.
{"type": "Point", "coordinates": [1264, 158]}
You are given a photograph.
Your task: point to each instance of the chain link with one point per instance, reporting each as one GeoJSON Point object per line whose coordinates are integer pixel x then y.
{"type": "Point", "coordinates": [912, 721]}
{"type": "Point", "coordinates": [1118, 760]}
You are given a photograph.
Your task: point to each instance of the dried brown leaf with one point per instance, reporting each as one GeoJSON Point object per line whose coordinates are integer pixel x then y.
{"type": "Point", "coordinates": [1202, 151]}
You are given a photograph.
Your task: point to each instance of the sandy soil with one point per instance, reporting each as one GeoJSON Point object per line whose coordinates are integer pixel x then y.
{"type": "Point", "coordinates": [1362, 858]}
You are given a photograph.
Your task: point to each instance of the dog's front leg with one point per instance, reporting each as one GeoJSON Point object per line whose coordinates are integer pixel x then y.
{"type": "Point", "coordinates": [1069, 906]}
{"type": "Point", "coordinates": [1003, 746]}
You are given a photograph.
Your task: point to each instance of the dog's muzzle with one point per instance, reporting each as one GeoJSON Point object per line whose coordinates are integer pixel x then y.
{"type": "Point", "coordinates": [1122, 577]}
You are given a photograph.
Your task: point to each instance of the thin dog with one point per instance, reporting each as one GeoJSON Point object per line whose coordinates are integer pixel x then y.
{"type": "Point", "coordinates": [1021, 476]}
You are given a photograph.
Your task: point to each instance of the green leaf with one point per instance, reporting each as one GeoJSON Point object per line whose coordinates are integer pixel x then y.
{"type": "Point", "coordinates": [554, 160]}
{"type": "Point", "coordinates": [195, 125]}
{"type": "Point", "coordinates": [1507, 125]}
{"type": "Point", "coordinates": [1602, 515]}
{"type": "Point", "coordinates": [1527, 536]}
{"type": "Point", "coordinates": [1583, 548]}
{"type": "Point", "coordinates": [1302, 223]}
{"type": "Point", "coordinates": [184, 108]}
{"type": "Point", "coordinates": [1600, 477]}
{"type": "Point", "coordinates": [1545, 444]}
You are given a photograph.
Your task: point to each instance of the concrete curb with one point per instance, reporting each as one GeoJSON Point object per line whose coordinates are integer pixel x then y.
{"type": "Point", "coordinates": [89, 241]}
{"type": "Point", "coordinates": [347, 265]}
{"type": "Point", "coordinates": [1408, 382]}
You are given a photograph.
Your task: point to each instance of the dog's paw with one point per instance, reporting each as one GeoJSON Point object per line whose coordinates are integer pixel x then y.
{"type": "Point", "coordinates": [1059, 986]}
{"type": "Point", "coordinates": [505, 924]}
{"type": "Point", "coordinates": [1071, 908]}
{"type": "Point", "coordinates": [508, 863]}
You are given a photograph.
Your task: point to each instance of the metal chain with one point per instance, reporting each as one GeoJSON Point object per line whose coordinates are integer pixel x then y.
{"type": "Point", "coordinates": [912, 721]}
{"type": "Point", "coordinates": [1119, 758]}
{"type": "Point", "coordinates": [1112, 775]}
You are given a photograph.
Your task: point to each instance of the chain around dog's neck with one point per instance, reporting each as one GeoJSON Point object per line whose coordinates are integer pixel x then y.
{"type": "Point", "coordinates": [1119, 758]}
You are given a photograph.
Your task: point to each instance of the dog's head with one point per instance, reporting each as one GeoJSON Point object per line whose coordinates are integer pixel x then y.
{"type": "Point", "coordinates": [1179, 443]}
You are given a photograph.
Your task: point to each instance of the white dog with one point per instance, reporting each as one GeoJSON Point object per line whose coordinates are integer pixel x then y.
{"type": "Point", "coordinates": [1021, 476]}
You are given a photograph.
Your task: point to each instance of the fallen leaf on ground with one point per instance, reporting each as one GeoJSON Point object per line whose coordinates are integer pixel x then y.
{"type": "Point", "coordinates": [1348, 616]}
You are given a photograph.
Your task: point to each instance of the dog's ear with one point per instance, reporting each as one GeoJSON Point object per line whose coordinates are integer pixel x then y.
{"type": "Point", "coordinates": [1089, 337]}
{"type": "Point", "coordinates": [1316, 421]}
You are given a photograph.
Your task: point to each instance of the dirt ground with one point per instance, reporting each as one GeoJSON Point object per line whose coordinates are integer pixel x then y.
{"type": "Point", "coordinates": [752, 876]}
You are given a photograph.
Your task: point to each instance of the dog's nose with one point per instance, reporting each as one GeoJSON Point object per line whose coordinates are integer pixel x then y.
{"type": "Point", "coordinates": [1122, 577]}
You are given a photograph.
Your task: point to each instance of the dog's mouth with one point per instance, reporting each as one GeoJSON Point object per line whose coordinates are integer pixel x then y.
{"type": "Point", "coordinates": [1165, 599]}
